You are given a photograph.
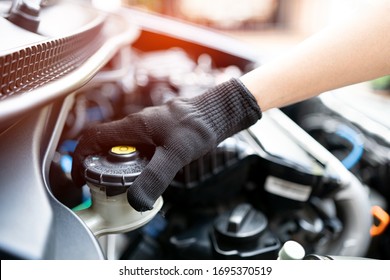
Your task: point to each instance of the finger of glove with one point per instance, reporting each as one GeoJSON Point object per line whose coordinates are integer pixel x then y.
{"type": "Point", "coordinates": [154, 179]}
{"type": "Point", "coordinates": [127, 131]}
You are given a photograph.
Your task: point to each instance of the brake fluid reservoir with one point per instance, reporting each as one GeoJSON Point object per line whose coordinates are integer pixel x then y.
{"type": "Point", "coordinates": [108, 177]}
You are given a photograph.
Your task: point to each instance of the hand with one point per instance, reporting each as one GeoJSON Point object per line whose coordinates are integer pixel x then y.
{"type": "Point", "coordinates": [179, 132]}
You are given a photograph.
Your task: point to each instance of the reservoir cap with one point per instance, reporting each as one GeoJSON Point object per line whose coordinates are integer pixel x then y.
{"type": "Point", "coordinates": [116, 170]}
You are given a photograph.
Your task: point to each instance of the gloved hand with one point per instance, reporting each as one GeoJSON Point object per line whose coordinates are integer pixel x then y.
{"type": "Point", "coordinates": [180, 131]}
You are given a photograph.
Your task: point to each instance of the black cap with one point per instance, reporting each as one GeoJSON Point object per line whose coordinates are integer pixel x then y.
{"type": "Point", "coordinates": [116, 170]}
{"type": "Point", "coordinates": [241, 225]}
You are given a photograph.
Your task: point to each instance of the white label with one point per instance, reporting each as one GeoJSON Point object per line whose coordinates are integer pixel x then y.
{"type": "Point", "coordinates": [287, 189]}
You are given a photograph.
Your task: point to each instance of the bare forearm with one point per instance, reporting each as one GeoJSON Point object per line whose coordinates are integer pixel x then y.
{"type": "Point", "coordinates": [352, 51]}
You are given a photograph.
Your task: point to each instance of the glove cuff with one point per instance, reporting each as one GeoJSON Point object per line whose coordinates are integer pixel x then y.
{"type": "Point", "coordinates": [228, 108]}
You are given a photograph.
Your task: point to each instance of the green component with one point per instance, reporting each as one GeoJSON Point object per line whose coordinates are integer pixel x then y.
{"type": "Point", "coordinates": [382, 83]}
{"type": "Point", "coordinates": [86, 204]}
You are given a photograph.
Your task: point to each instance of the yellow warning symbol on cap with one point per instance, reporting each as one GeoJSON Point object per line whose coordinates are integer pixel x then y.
{"type": "Point", "coordinates": [123, 150]}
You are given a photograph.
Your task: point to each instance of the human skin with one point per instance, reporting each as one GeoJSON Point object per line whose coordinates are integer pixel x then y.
{"type": "Point", "coordinates": [352, 50]}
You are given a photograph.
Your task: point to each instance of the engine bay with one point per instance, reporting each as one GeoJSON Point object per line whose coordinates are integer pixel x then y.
{"type": "Point", "coordinates": [277, 188]}
{"type": "Point", "coordinates": [312, 172]}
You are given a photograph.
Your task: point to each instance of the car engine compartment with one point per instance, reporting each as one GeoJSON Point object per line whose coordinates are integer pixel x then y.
{"type": "Point", "coordinates": [302, 173]}
{"type": "Point", "coordinates": [263, 177]}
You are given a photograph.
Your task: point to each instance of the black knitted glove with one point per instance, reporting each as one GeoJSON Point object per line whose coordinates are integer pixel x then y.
{"type": "Point", "coordinates": [179, 132]}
